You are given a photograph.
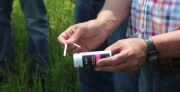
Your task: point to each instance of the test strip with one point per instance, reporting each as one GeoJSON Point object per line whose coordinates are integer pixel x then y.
{"type": "Point", "coordinates": [77, 45]}
{"type": "Point", "coordinates": [65, 49]}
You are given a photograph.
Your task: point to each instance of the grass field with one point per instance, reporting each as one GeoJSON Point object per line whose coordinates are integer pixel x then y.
{"type": "Point", "coordinates": [61, 75]}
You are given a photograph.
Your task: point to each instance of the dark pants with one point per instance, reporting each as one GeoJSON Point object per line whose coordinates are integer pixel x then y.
{"type": "Point", "coordinates": [37, 29]}
{"type": "Point", "coordinates": [90, 80]}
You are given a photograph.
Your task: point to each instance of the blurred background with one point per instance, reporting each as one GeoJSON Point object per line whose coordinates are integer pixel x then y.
{"type": "Point", "coordinates": [61, 75]}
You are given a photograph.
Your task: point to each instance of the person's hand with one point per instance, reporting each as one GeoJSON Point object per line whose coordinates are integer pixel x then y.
{"type": "Point", "coordinates": [130, 55]}
{"type": "Point", "coordinates": [88, 35]}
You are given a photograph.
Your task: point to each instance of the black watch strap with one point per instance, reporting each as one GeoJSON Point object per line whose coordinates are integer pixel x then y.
{"type": "Point", "coordinates": [152, 53]}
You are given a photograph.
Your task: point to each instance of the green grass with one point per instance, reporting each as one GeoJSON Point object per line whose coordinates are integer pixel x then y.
{"type": "Point", "coordinates": [61, 75]}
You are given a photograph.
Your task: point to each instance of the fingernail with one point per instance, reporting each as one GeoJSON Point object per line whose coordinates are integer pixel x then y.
{"type": "Point", "coordinates": [68, 41]}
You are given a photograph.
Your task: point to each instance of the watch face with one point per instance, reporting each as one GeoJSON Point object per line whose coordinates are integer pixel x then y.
{"type": "Point", "coordinates": [153, 58]}
{"type": "Point", "coordinates": [152, 54]}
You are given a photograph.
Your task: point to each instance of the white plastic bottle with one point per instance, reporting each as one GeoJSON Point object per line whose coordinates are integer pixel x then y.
{"type": "Point", "coordinates": [89, 59]}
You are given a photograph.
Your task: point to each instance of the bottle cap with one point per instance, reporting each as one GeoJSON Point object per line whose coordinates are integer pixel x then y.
{"type": "Point", "coordinates": [77, 58]}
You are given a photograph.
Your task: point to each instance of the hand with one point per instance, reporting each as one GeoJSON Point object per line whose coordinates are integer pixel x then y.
{"type": "Point", "coordinates": [88, 35]}
{"type": "Point", "coordinates": [130, 56]}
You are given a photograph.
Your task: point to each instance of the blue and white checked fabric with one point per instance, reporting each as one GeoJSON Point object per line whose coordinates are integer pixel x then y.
{"type": "Point", "coordinates": [153, 17]}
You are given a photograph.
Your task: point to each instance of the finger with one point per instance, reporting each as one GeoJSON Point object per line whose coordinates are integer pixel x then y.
{"type": "Point", "coordinates": [62, 38]}
{"type": "Point", "coordinates": [76, 36]}
{"type": "Point", "coordinates": [66, 35]}
{"type": "Point", "coordinates": [106, 68]}
{"type": "Point", "coordinates": [76, 50]}
{"type": "Point", "coordinates": [113, 68]}
{"type": "Point", "coordinates": [114, 48]}
{"type": "Point", "coordinates": [114, 60]}
{"type": "Point", "coordinates": [71, 47]}
{"type": "Point", "coordinates": [104, 62]}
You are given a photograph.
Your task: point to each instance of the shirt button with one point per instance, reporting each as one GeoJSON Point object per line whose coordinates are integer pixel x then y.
{"type": "Point", "coordinates": [142, 30]}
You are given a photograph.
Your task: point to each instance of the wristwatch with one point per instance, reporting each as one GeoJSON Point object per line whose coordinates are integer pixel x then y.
{"type": "Point", "coordinates": [152, 53]}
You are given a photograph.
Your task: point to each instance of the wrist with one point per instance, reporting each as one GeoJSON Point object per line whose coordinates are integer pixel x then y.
{"type": "Point", "coordinates": [108, 25]}
{"type": "Point", "coordinates": [152, 53]}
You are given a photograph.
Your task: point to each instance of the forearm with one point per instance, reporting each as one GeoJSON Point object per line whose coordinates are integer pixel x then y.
{"type": "Point", "coordinates": [113, 13]}
{"type": "Point", "coordinates": [168, 44]}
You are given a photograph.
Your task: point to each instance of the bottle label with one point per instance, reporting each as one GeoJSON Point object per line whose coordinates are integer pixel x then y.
{"type": "Point", "coordinates": [90, 60]}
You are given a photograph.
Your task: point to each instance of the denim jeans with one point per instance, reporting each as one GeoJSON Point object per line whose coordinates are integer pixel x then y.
{"type": "Point", "coordinates": [90, 80]}
{"type": "Point", "coordinates": [153, 80]}
{"type": "Point", "coordinates": [37, 29]}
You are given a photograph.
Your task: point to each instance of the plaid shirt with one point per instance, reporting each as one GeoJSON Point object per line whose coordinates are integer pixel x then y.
{"type": "Point", "coordinates": [153, 17]}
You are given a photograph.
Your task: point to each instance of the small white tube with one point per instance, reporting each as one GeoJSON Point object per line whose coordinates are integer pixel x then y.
{"type": "Point", "coordinates": [77, 45]}
{"type": "Point", "coordinates": [65, 49]}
